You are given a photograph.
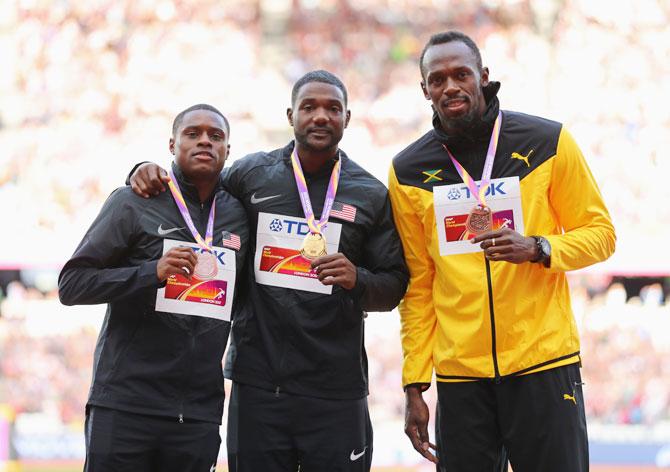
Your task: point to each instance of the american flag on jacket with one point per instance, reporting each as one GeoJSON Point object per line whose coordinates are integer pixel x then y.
{"type": "Point", "coordinates": [343, 211]}
{"type": "Point", "coordinates": [230, 240]}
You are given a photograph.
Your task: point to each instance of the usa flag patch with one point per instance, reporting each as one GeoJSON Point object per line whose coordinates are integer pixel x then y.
{"type": "Point", "coordinates": [230, 240]}
{"type": "Point", "coordinates": [343, 211]}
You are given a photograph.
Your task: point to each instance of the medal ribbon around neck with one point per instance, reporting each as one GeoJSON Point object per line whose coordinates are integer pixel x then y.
{"type": "Point", "coordinates": [488, 165]}
{"type": "Point", "coordinates": [315, 226]}
{"type": "Point", "coordinates": [181, 204]}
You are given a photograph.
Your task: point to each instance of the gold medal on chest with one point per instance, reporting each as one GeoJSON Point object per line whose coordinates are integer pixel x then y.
{"type": "Point", "coordinates": [313, 246]}
{"type": "Point", "coordinates": [480, 220]}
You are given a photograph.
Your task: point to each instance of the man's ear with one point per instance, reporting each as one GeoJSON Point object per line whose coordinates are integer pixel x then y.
{"type": "Point", "coordinates": [484, 81]}
{"type": "Point", "coordinates": [426, 95]}
{"type": "Point", "coordinates": [347, 118]}
{"type": "Point", "coordinates": [171, 146]}
{"type": "Point", "coordinates": [226, 155]}
{"type": "Point", "coordinates": [289, 115]}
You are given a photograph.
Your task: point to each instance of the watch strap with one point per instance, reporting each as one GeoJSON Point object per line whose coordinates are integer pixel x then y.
{"type": "Point", "coordinates": [542, 256]}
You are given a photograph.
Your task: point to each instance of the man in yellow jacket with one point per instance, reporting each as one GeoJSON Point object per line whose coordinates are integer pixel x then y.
{"type": "Point", "coordinates": [488, 305]}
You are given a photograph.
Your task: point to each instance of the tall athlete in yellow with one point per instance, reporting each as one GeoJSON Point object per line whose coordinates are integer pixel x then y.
{"type": "Point", "coordinates": [495, 327]}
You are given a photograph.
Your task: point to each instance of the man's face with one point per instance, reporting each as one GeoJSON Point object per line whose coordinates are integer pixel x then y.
{"type": "Point", "coordinates": [453, 82]}
{"type": "Point", "coordinates": [319, 116]}
{"type": "Point", "coordinates": [200, 144]}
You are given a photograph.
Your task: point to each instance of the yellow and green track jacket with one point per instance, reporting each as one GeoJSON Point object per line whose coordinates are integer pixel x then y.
{"type": "Point", "coordinates": [467, 318]}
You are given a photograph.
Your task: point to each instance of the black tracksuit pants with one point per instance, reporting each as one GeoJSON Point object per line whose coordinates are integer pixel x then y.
{"type": "Point", "coordinates": [119, 441]}
{"type": "Point", "coordinates": [538, 418]}
{"type": "Point", "coordinates": [282, 432]}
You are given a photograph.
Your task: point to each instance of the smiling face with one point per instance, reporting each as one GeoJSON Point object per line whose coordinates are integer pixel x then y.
{"type": "Point", "coordinates": [200, 145]}
{"type": "Point", "coordinates": [453, 82]}
{"type": "Point", "coordinates": [319, 116]}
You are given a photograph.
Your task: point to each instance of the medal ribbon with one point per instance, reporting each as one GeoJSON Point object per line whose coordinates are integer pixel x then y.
{"type": "Point", "coordinates": [181, 204]}
{"type": "Point", "coordinates": [315, 226]}
{"type": "Point", "coordinates": [488, 165]}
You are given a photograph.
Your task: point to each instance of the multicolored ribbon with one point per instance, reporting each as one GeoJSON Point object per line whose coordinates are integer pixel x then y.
{"type": "Point", "coordinates": [488, 165]}
{"type": "Point", "coordinates": [315, 226]}
{"type": "Point", "coordinates": [181, 204]}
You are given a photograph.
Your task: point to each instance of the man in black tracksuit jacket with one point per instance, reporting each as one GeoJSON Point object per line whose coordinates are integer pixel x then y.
{"type": "Point", "coordinates": [156, 399]}
{"type": "Point", "coordinates": [297, 358]}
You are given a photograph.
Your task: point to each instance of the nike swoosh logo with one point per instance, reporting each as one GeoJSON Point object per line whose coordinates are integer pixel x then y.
{"type": "Point", "coordinates": [255, 200]}
{"type": "Point", "coordinates": [354, 457]}
{"type": "Point", "coordinates": [163, 232]}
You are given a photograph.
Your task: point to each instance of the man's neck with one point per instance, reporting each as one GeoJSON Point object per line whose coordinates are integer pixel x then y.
{"type": "Point", "coordinates": [205, 188]}
{"type": "Point", "coordinates": [312, 161]}
{"type": "Point", "coordinates": [454, 130]}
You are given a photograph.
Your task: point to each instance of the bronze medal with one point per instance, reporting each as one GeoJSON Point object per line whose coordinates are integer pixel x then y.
{"type": "Point", "coordinates": [313, 246]}
{"type": "Point", "coordinates": [206, 267]}
{"type": "Point", "coordinates": [480, 220]}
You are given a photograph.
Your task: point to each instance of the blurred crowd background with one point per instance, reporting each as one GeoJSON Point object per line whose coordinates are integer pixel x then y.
{"type": "Point", "coordinates": [90, 87]}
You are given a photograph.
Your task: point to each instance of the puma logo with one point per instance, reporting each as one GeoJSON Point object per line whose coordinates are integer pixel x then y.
{"type": "Point", "coordinates": [516, 155]}
{"type": "Point", "coordinates": [570, 398]}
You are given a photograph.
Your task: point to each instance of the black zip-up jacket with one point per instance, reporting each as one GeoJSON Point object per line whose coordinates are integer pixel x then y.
{"type": "Point", "coordinates": [302, 342]}
{"type": "Point", "coordinates": [145, 361]}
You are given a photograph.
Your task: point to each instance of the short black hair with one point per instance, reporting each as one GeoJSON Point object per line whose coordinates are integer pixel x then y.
{"type": "Point", "coordinates": [448, 37]}
{"type": "Point", "coordinates": [322, 76]}
{"type": "Point", "coordinates": [200, 106]}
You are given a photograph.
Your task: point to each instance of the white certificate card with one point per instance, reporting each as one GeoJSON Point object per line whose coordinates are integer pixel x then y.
{"type": "Point", "coordinates": [452, 204]}
{"type": "Point", "coordinates": [278, 261]}
{"type": "Point", "coordinates": [210, 296]}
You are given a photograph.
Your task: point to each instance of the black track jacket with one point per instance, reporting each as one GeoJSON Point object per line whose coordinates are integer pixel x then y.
{"type": "Point", "coordinates": [148, 362]}
{"type": "Point", "coordinates": [302, 342]}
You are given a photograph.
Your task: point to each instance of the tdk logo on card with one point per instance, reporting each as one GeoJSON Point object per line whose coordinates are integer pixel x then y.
{"type": "Point", "coordinates": [291, 226]}
{"type": "Point", "coordinates": [219, 255]}
{"type": "Point", "coordinates": [276, 226]}
{"type": "Point", "coordinates": [296, 227]}
{"type": "Point", "coordinates": [492, 190]}
{"type": "Point", "coordinates": [454, 194]}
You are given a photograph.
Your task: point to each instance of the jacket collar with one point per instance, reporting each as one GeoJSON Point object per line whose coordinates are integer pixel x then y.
{"type": "Point", "coordinates": [481, 129]}
{"type": "Point", "coordinates": [188, 190]}
{"type": "Point", "coordinates": [325, 170]}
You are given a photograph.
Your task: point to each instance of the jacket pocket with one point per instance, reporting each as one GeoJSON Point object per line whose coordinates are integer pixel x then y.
{"type": "Point", "coordinates": [124, 345]}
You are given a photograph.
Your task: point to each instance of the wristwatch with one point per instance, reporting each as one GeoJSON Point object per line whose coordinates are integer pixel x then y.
{"type": "Point", "coordinates": [543, 251]}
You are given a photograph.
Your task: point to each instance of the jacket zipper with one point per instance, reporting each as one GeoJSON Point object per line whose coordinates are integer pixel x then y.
{"type": "Point", "coordinates": [279, 376]}
{"type": "Point", "coordinates": [187, 380]}
{"type": "Point", "coordinates": [493, 322]}
{"type": "Point", "coordinates": [180, 417]}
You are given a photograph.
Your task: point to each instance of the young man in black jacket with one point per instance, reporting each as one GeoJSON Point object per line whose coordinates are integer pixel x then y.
{"type": "Point", "coordinates": [297, 356]}
{"type": "Point", "coordinates": [156, 399]}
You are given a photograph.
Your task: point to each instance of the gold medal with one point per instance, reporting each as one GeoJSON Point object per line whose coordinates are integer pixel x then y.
{"type": "Point", "coordinates": [206, 267]}
{"type": "Point", "coordinates": [480, 220]}
{"type": "Point", "coordinates": [313, 246]}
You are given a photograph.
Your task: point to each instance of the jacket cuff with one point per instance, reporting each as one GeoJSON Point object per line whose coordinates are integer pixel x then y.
{"type": "Point", "coordinates": [148, 275]}
{"type": "Point", "coordinates": [422, 387]}
{"type": "Point", "coordinates": [359, 289]}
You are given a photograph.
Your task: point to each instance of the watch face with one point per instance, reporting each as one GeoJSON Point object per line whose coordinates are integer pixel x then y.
{"type": "Point", "coordinates": [546, 248]}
